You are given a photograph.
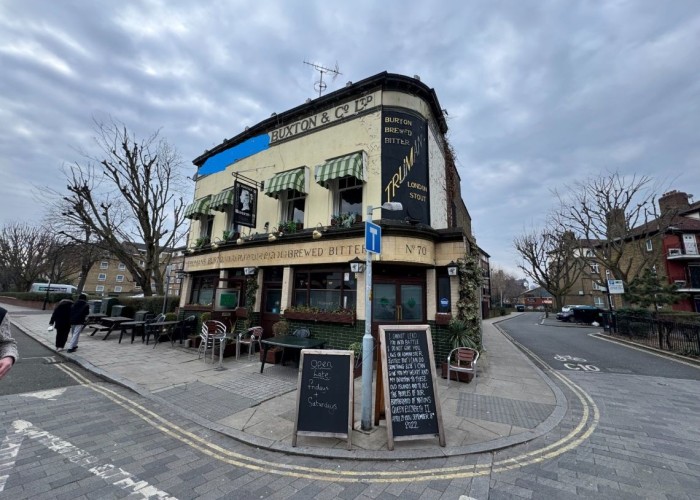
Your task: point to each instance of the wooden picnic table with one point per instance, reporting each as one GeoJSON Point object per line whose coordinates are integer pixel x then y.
{"type": "Point", "coordinates": [109, 323]}
{"type": "Point", "coordinates": [95, 317]}
{"type": "Point", "coordinates": [289, 342]}
{"type": "Point", "coordinates": [134, 325]}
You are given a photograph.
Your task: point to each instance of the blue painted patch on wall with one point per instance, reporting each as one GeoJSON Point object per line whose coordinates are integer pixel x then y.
{"type": "Point", "coordinates": [220, 161]}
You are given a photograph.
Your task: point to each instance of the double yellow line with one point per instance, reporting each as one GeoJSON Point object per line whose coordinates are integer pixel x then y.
{"type": "Point", "coordinates": [581, 432]}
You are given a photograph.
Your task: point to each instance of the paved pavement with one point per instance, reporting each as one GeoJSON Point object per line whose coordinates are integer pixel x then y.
{"type": "Point", "coordinates": [511, 402]}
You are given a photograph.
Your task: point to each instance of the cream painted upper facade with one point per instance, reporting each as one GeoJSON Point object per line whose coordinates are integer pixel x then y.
{"type": "Point", "coordinates": [362, 121]}
{"type": "Point", "coordinates": [359, 134]}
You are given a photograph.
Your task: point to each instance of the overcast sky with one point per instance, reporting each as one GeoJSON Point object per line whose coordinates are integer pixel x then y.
{"type": "Point", "coordinates": [539, 93]}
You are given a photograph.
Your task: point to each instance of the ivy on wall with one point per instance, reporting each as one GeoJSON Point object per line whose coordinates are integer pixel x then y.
{"type": "Point", "coordinates": [251, 288]}
{"type": "Point", "coordinates": [469, 301]}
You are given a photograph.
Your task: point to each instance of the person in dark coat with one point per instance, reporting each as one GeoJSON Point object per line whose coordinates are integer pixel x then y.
{"type": "Point", "coordinates": [60, 319]}
{"type": "Point", "coordinates": [78, 314]}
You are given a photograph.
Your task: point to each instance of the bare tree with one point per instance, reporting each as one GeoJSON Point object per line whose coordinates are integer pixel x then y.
{"type": "Point", "coordinates": [550, 259]}
{"type": "Point", "coordinates": [614, 217]}
{"type": "Point", "coordinates": [504, 287]}
{"type": "Point", "coordinates": [24, 251]}
{"type": "Point", "coordinates": [126, 201]}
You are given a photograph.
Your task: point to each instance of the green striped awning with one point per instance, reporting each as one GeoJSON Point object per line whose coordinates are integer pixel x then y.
{"type": "Point", "coordinates": [350, 165]}
{"type": "Point", "coordinates": [199, 208]}
{"type": "Point", "coordinates": [221, 200]}
{"type": "Point", "coordinates": [290, 180]}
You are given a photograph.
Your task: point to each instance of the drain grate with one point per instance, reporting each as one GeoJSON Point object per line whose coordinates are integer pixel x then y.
{"type": "Point", "coordinates": [207, 400]}
{"type": "Point", "coordinates": [506, 411]}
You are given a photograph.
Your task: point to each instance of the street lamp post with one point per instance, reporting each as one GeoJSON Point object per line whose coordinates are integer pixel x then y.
{"type": "Point", "coordinates": [367, 340]}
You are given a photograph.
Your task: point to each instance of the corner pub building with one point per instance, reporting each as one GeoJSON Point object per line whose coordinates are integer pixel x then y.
{"type": "Point", "coordinates": [283, 204]}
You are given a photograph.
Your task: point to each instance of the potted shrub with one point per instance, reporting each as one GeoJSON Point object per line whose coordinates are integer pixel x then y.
{"type": "Point", "coordinates": [274, 354]}
{"type": "Point", "coordinates": [460, 335]}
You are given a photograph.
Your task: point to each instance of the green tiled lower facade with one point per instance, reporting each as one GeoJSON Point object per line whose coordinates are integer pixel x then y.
{"type": "Point", "coordinates": [340, 336]}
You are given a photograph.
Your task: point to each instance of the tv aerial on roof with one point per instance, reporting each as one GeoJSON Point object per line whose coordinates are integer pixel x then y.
{"type": "Point", "coordinates": [320, 85]}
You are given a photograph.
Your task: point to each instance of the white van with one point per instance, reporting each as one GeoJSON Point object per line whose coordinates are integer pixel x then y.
{"type": "Point", "coordinates": [53, 288]}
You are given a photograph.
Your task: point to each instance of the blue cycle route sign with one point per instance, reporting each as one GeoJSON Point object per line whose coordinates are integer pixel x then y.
{"type": "Point", "coordinates": [373, 237]}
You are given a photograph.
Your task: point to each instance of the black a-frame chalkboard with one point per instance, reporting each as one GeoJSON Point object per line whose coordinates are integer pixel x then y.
{"type": "Point", "coordinates": [324, 394]}
{"type": "Point", "coordinates": [411, 399]}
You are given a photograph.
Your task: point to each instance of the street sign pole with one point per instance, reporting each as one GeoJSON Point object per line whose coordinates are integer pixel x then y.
{"type": "Point", "coordinates": [373, 242]}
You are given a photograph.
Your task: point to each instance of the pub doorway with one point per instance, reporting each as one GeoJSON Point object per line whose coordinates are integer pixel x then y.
{"type": "Point", "coordinates": [398, 296]}
{"type": "Point", "coordinates": [271, 299]}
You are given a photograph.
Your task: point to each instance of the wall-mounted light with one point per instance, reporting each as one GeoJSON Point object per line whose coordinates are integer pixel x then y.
{"type": "Point", "coordinates": [249, 271]}
{"type": "Point", "coordinates": [317, 232]}
{"type": "Point", "coordinates": [452, 268]}
{"type": "Point", "coordinates": [271, 237]}
{"type": "Point", "coordinates": [240, 240]}
{"type": "Point", "coordinates": [357, 266]}
{"type": "Point", "coordinates": [216, 243]}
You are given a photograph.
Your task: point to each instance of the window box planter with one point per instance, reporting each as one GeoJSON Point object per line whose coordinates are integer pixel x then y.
{"type": "Point", "coordinates": [443, 319]}
{"type": "Point", "coordinates": [289, 227]}
{"type": "Point", "coordinates": [345, 220]}
{"type": "Point", "coordinates": [323, 316]}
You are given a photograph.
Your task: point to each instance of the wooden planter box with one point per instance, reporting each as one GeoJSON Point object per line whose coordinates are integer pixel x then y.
{"type": "Point", "coordinates": [274, 356]}
{"type": "Point", "coordinates": [230, 349]}
{"type": "Point", "coordinates": [443, 319]}
{"type": "Point", "coordinates": [326, 317]}
{"type": "Point", "coordinates": [458, 376]}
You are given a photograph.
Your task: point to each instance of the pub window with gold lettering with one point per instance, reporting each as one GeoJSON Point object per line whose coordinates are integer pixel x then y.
{"type": "Point", "coordinates": [326, 290]}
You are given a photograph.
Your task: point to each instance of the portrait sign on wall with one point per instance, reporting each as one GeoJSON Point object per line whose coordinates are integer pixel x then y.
{"type": "Point", "coordinates": [405, 165]}
{"type": "Point", "coordinates": [246, 205]}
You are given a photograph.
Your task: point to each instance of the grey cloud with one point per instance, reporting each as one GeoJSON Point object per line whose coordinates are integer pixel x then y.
{"type": "Point", "coordinates": [539, 94]}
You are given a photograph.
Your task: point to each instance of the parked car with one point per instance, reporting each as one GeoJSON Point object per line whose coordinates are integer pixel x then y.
{"type": "Point", "coordinates": [580, 314]}
{"type": "Point", "coordinates": [520, 307]}
{"type": "Point", "coordinates": [565, 312]}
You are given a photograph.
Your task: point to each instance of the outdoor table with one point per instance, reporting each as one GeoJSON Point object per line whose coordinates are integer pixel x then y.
{"type": "Point", "coordinates": [291, 342]}
{"type": "Point", "coordinates": [111, 323]}
{"type": "Point", "coordinates": [94, 317]}
{"type": "Point", "coordinates": [134, 325]}
{"type": "Point", "coordinates": [159, 325]}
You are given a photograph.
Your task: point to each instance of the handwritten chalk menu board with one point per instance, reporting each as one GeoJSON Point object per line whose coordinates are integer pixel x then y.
{"type": "Point", "coordinates": [411, 398]}
{"type": "Point", "coordinates": [324, 394]}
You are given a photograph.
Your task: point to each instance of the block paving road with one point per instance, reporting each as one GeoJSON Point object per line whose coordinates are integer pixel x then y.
{"type": "Point", "coordinates": [624, 435]}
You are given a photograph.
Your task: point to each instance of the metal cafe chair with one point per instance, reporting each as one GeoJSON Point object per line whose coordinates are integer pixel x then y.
{"type": "Point", "coordinates": [213, 331]}
{"type": "Point", "coordinates": [249, 338]}
{"type": "Point", "coordinates": [462, 360]}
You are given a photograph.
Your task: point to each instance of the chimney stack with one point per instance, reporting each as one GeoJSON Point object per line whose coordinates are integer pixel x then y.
{"type": "Point", "coordinates": [674, 201]}
{"type": "Point", "coordinates": [617, 223]}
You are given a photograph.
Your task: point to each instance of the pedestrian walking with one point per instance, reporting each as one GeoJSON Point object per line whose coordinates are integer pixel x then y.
{"type": "Point", "coordinates": [78, 314]}
{"type": "Point", "coordinates": [60, 320]}
{"type": "Point", "coordinates": [8, 345]}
